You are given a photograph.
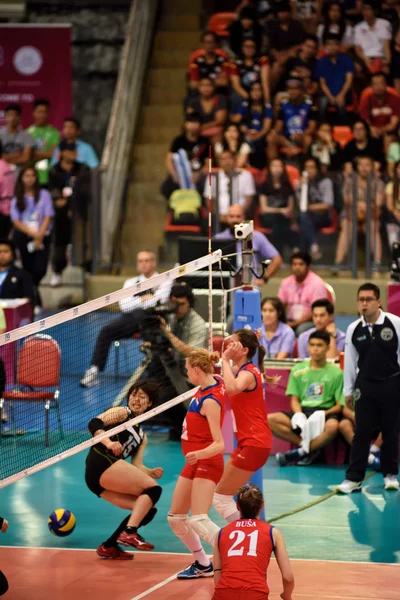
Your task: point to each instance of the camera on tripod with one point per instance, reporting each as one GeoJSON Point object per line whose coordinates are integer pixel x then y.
{"type": "Point", "coordinates": [151, 326]}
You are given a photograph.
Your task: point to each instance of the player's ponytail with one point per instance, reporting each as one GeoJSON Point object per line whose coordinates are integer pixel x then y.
{"type": "Point", "coordinates": [250, 501]}
{"type": "Point", "coordinates": [204, 360]}
{"type": "Point", "coordinates": [249, 340]}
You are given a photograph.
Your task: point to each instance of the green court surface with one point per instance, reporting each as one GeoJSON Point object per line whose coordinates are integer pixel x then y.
{"type": "Point", "coordinates": [363, 527]}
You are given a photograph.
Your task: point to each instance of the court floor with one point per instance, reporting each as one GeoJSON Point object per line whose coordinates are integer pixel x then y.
{"type": "Point", "coordinates": [342, 547]}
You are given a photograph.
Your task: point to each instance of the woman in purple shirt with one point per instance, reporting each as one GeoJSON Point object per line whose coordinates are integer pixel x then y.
{"type": "Point", "coordinates": [277, 338]}
{"type": "Point", "coordinates": [31, 213]}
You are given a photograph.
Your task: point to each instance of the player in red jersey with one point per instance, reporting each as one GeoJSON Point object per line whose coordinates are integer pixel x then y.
{"type": "Point", "coordinates": [244, 386]}
{"type": "Point", "coordinates": [202, 445]}
{"type": "Point", "coordinates": [243, 550]}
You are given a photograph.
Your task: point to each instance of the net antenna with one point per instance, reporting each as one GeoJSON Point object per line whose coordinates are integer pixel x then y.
{"type": "Point", "coordinates": [210, 274]}
{"type": "Point", "coordinates": [53, 353]}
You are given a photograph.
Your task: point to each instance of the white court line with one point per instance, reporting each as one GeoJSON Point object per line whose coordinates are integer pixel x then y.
{"type": "Point", "coordinates": [340, 562]}
{"type": "Point", "coordinates": [155, 587]}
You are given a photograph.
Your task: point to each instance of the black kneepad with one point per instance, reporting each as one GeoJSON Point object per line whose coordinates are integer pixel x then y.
{"type": "Point", "coordinates": [153, 493]}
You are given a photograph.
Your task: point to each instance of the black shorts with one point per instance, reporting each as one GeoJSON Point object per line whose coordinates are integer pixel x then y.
{"type": "Point", "coordinates": [96, 464]}
{"type": "Point", "coordinates": [309, 411]}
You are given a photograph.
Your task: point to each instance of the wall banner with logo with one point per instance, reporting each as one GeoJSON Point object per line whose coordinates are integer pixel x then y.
{"type": "Point", "coordinates": [35, 62]}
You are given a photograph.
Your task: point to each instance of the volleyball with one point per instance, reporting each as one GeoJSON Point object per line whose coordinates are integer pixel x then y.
{"type": "Point", "coordinates": [61, 522]}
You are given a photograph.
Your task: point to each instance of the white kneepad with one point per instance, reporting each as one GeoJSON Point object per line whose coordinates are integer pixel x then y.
{"type": "Point", "coordinates": [179, 525]}
{"type": "Point", "coordinates": [204, 527]}
{"type": "Point", "coordinates": [225, 506]}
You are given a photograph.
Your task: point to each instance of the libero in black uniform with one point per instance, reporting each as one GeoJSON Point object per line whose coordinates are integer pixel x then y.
{"type": "Point", "coordinates": [372, 387]}
{"type": "Point", "coordinates": [128, 486]}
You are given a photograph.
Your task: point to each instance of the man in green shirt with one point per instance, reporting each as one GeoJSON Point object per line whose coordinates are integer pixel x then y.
{"type": "Point", "coordinates": [314, 385]}
{"type": "Point", "coordinates": [46, 139]}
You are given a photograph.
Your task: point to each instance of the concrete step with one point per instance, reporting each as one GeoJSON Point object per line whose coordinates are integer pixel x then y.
{"type": "Point", "coordinates": [174, 58]}
{"type": "Point", "coordinates": [177, 22]}
{"type": "Point", "coordinates": [176, 40]}
{"type": "Point", "coordinates": [158, 115]}
{"type": "Point", "coordinates": [182, 7]}
{"type": "Point", "coordinates": [150, 135]}
{"type": "Point", "coordinates": [167, 78]}
{"type": "Point", "coordinates": [174, 95]}
{"type": "Point", "coordinates": [151, 154]}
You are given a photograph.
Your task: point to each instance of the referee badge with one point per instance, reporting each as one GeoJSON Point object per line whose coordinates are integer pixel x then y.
{"type": "Point", "coordinates": [356, 394]}
{"type": "Point", "coordinates": [386, 334]}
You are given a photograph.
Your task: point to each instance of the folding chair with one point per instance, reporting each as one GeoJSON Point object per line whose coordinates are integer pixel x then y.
{"type": "Point", "coordinates": [38, 367]}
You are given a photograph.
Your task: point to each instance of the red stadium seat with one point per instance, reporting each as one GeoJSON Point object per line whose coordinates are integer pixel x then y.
{"type": "Point", "coordinates": [334, 223]}
{"type": "Point", "coordinates": [37, 351]}
{"type": "Point", "coordinates": [257, 223]}
{"type": "Point", "coordinates": [293, 174]}
{"type": "Point", "coordinates": [259, 175]}
{"type": "Point", "coordinates": [219, 23]}
{"type": "Point", "coordinates": [170, 227]}
{"type": "Point", "coordinates": [342, 134]}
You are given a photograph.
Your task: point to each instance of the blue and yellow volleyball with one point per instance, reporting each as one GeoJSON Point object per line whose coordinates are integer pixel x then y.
{"type": "Point", "coordinates": [61, 522]}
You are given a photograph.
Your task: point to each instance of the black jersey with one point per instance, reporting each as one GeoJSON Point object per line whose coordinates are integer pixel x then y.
{"type": "Point", "coordinates": [372, 351]}
{"type": "Point", "coordinates": [130, 439]}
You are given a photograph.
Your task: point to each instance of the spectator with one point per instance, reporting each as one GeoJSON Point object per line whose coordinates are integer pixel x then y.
{"type": "Point", "coordinates": [395, 46]}
{"type": "Point", "coordinates": [372, 39]}
{"type": "Point", "coordinates": [361, 145]}
{"type": "Point", "coordinates": [263, 8]}
{"type": "Point", "coordinates": [128, 323]}
{"type": "Point", "coordinates": [326, 150]}
{"type": "Point", "coordinates": [335, 73]}
{"type": "Point", "coordinates": [307, 12]}
{"type": "Point", "coordinates": [211, 63]}
{"type": "Point", "coordinates": [393, 156]}
{"type": "Point", "coordinates": [46, 139]}
{"type": "Point", "coordinates": [299, 291]}
{"type": "Point", "coordinates": [195, 147]}
{"type": "Point", "coordinates": [365, 167]}
{"type": "Point", "coordinates": [235, 186]}
{"type": "Point", "coordinates": [14, 282]}
{"type": "Point", "coordinates": [276, 336]}
{"type": "Point", "coordinates": [392, 222]}
{"type": "Point", "coordinates": [246, 28]}
{"type": "Point", "coordinates": [85, 152]}
{"type": "Point", "coordinates": [31, 214]}
{"type": "Point", "coordinates": [69, 185]}
{"type": "Point", "coordinates": [295, 125]}
{"type": "Point", "coordinates": [314, 385]}
{"type": "Point", "coordinates": [285, 37]}
{"type": "Point", "coordinates": [248, 70]}
{"type": "Point", "coordinates": [255, 118]}
{"type": "Point", "coordinates": [233, 141]}
{"type": "Point", "coordinates": [7, 184]}
{"type": "Point", "coordinates": [381, 110]}
{"type": "Point", "coordinates": [320, 200]}
{"type": "Point", "coordinates": [17, 144]}
{"type": "Point", "coordinates": [323, 316]}
{"type": "Point", "coordinates": [210, 107]}
{"type": "Point", "coordinates": [263, 249]}
{"type": "Point", "coordinates": [302, 68]}
{"type": "Point", "coordinates": [334, 23]}
{"type": "Point", "coordinates": [277, 206]}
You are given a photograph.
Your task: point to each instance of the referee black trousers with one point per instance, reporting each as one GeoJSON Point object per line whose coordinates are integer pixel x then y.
{"type": "Point", "coordinates": [376, 408]}
{"type": "Point", "coordinates": [121, 328]}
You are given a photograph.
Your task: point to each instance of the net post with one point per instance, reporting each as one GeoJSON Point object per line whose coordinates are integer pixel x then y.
{"type": "Point", "coordinates": [247, 314]}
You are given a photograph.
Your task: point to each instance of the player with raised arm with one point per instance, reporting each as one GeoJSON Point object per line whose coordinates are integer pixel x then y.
{"type": "Point", "coordinates": [202, 445]}
{"type": "Point", "coordinates": [243, 551]}
{"type": "Point", "coordinates": [128, 486]}
{"type": "Point", "coordinates": [244, 386]}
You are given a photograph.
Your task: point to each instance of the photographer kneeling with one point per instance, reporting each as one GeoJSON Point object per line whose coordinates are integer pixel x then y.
{"type": "Point", "coordinates": [171, 343]}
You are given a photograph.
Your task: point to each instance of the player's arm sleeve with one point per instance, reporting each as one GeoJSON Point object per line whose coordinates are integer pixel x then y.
{"type": "Point", "coordinates": [350, 361]}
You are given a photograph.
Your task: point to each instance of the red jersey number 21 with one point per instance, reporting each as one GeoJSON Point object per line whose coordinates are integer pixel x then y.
{"type": "Point", "coordinates": [237, 548]}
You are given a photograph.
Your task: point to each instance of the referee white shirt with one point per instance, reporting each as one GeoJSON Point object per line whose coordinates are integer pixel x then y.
{"type": "Point", "coordinates": [159, 294]}
{"type": "Point", "coordinates": [385, 332]}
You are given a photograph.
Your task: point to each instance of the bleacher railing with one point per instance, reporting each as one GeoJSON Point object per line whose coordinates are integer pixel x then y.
{"type": "Point", "coordinates": [123, 121]}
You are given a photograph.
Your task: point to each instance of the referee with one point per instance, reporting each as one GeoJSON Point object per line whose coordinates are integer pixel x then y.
{"type": "Point", "coordinates": [372, 387]}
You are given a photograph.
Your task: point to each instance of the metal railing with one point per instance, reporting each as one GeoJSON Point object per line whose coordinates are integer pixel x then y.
{"type": "Point", "coordinates": [123, 122]}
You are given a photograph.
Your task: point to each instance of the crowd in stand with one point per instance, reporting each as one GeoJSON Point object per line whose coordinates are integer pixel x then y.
{"type": "Point", "coordinates": [44, 185]}
{"type": "Point", "coordinates": [314, 85]}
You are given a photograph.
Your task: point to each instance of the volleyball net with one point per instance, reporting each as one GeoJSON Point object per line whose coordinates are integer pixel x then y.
{"type": "Point", "coordinates": [64, 370]}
